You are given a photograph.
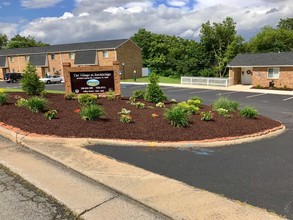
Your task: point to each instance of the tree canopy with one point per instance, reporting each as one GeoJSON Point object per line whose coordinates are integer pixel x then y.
{"type": "Point", "coordinates": [19, 42]}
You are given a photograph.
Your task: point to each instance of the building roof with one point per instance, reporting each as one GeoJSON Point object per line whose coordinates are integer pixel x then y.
{"type": "Point", "coordinates": [96, 45]}
{"type": "Point", "coordinates": [262, 59]}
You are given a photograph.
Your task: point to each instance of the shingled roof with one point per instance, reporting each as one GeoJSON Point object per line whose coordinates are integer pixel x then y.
{"type": "Point", "coordinates": [96, 45]}
{"type": "Point", "coordinates": [262, 59]}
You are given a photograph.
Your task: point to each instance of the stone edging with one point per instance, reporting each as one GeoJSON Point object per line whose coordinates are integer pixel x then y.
{"type": "Point", "coordinates": [16, 135]}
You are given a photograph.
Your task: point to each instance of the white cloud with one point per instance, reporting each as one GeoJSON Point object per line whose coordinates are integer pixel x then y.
{"type": "Point", "coordinates": [39, 3]}
{"type": "Point", "coordinates": [99, 20]}
{"type": "Point", "coordinates": [9, 29]}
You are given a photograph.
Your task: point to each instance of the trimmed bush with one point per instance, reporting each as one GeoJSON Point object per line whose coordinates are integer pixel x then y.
{"type": "Point", "coordinates": [36, 104]}
{"type": "Point", "coordinates": [223, 112]}
{"type": "Point", "coordinates": [3, 98]}
{"type": "Point", "coordinates": [188, 108]}
{"type": "Point", "coordinates": [225, 103]}
{"type": "Point", "coordinates": [153, 91]}
{"type": "Point", "coordinates": [248, 112]}
{"type": "Point", "coordinates": [110, 95]}
{"type": "Point", "coordinates": [138, 94]}
{"type": "Point", "coordinates": [139, 105]}
{"type": "Point", "coordinates": [51, 114]}
{"type": "Point", "coordinates": [91, 112]}
{"type": "Point", "coordinates": [177, 116]}
{"type": "Point", "coordinates": [69, 96]}
{"type": "Point", "coordinates": [21, 102]}
{"type": "Point", "coordinates": [87, 99]}
{"type": "Point", "coordinates": [30, 82]}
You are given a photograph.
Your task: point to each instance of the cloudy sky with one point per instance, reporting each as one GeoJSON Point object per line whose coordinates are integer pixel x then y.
{"type": "Point", "coordinates": [67, 21]}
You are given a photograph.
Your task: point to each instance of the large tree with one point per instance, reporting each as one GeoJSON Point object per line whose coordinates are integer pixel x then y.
{"type": "Point", "coordinates": [3, 40]}
{"type": "Point", "coordinates": [220, 43]}
{"type": "Point", "coordinates": [19, 41]}
{"type": "Point", "coordinates": [270, 39]}
{"type": "Point", "coordinates": [169, 55]}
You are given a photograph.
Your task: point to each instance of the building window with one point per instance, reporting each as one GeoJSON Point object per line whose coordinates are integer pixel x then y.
{"type": "Point", "coordinates": [54, 70]}
{"type": "Point", "coordinates": [105, 54]}
{"type": "Point", "coordinates": [273, 73]}
{"type": "Point", "coordinates": [52, 56]}
{"type": "Point", "coordinates": [71, 56]}
{"type": "Point", "coordinates": [27, 58]}
{"type": "Point", "coordinates": [12, 59]}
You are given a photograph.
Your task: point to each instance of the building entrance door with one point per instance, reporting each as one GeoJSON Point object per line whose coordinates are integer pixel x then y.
{"type": "Point", "coordinates": [246, 76]}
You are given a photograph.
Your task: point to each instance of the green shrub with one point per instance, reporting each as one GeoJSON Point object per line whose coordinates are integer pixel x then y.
{"type": "Point", "coordinates": [160, 105]}
{"type": "Point", "coordinates": [138, 94]}
{"type": "Point", "coordinates": [153, 91]}
{"type": "Point", "coordinates": [248, 112]}
{"type": "Point", "coordinates": [207, 116]}
{"type": "Point", "coordinates": [189, 108]}
{"type": "Point", "coordinates": [3, 98]}
{"type": "Point", "coordinates": [222, 112]}
{"type": "Point", "coordinates": [110, 95]}
{"type": "Point", "coordinates": [91, 112]}
{"type": "Point", "coordinates": [132, 100]}
{"type": "Point", "coordinates": [225, 103]}
{"type": "Point", "coordinates": [36, 104]}
{"type": "Point", "coordinates": [30, 82]}
{"type": "Point", "coordinates": [87, 99]}
{"type": "Point", "coordinates": [21, 102]}
{"type": "Point", "coordinates": [125, 116]}
{"type": "Point", "coordinates": [196, 98]}
{"type": "Point", "coordinates": [69, 96]}
{"type": "Point", "coordinates": [139, 105]}
{"type": "Point", "coordinates": [194, 102]}
{"type": "Point", "coordinates": [177, 116]}
{"type": "Point", "coordinates": [51, 114]}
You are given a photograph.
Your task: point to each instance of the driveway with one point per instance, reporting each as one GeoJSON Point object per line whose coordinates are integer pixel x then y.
{"type": "Point", "coordinates": [259, 173]}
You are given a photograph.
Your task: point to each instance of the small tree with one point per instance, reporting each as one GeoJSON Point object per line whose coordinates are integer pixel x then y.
{"type": "Point", "coordinates": [30, 82]}
{"type": "Point", "coordinates": [153, 91]}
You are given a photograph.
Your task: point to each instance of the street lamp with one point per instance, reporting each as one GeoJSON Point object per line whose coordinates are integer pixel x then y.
{"type": "Point", "coordinates": [134, 75]}
{"type": "Point", "coordinates": [123, 71]}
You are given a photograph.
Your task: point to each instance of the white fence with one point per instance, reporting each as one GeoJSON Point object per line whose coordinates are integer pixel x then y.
{"type": "Point", "coordinates": [206, 81]}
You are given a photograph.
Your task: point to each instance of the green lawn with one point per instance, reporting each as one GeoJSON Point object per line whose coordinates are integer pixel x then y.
{"type": "Point", "coordinates": [162, 79]}
{"type": "Point", "coordinates": [20, 90]}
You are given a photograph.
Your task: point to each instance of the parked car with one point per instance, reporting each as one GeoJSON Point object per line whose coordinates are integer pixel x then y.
{"type": "Point", "coordinates": [12, 77]}
{"type": "Point", "coordinates": [51, 79]}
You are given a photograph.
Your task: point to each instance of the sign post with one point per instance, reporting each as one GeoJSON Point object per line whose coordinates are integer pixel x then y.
{"type": "Point", "coordinates": [92, 79]}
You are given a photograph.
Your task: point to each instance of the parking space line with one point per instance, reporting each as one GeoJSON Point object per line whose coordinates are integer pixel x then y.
{"type": "Point", "coordinates": [201, 91]}
{"type": "Point", "coordinates": [284, 100]}
{"type": "Point", "coordinates": [179, 90]}
{"type": "Point", "coordinates": [226, 93]}
{"type": "Point", "coordinates": [251, 96]}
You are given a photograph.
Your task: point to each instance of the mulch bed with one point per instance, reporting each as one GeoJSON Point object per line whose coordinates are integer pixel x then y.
{"type": "Point", "coordinates": [143, 127]}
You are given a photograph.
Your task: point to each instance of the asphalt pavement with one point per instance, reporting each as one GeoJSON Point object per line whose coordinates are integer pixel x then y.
{"type": "Point", "coordinates": [258, 173]}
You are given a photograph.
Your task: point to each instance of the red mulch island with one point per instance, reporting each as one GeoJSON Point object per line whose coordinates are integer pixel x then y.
{"type": "Point", "coordinates": [143, 127]}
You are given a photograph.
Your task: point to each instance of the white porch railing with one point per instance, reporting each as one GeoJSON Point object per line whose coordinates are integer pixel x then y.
{"type": "Point", "coordinates": [206, 81]}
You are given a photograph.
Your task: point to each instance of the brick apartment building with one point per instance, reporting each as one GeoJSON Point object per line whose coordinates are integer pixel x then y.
{"type": "Point", "coordinates": [262, 69]}
{"type": "Point", "coordinates": [49, 59]}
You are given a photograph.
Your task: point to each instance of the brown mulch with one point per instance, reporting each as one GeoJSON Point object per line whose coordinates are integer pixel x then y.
{"type": "Point", "coordinates": [143, 127]}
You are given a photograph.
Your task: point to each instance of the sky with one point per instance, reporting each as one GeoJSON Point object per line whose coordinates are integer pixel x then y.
{"type": "Point", "coordinates": [70, 21]}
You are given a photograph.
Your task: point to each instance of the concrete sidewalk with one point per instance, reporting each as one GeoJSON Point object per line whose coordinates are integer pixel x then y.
{"type": "Point", "coordinates": [123, 191]}
{"type": "Point", "coordinates": [234, 88]}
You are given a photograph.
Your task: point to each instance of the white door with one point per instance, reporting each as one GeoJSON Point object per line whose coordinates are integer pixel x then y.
{"type": "Point", "coordinates": [246, 76]}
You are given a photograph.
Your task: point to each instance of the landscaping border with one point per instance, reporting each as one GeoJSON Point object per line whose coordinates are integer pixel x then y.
{"type": "Point", "coordinates": [17, 135]}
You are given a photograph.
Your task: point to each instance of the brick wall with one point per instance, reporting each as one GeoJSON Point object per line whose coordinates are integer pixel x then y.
{"type": "Point", "coordinates": [130, 54]}
{"type": "Point", "coordinates": [235, 74]}
{"type": "Point", "coordinates": [285, 77]}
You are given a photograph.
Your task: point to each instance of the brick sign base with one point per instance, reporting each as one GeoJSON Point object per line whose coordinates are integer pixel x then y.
{"type": "Point", "coordinates": [92, 79]}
